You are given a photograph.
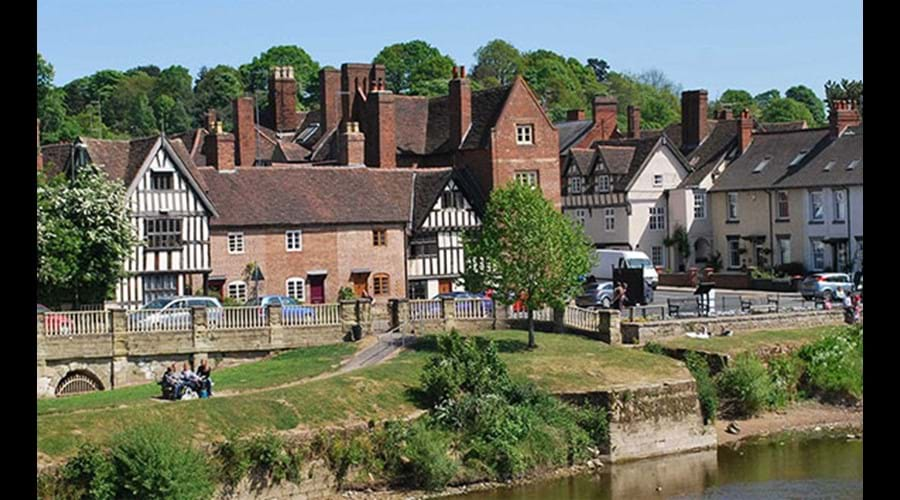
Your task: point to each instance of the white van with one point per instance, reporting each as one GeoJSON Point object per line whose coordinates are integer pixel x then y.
{"type": "Point", "coordinates": [606, 260]}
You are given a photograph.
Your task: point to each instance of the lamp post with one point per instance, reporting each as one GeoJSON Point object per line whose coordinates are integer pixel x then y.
{"type": "Point", "coordinates": [256, 276]}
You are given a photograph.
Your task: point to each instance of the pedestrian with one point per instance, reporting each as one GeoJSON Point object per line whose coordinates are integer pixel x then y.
{"type": "Point", "coordinates": [619, 295]}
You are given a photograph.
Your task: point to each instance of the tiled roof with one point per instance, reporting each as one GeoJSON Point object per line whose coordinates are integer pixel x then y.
{"type": "Point", "coordinates": [410, 114]}
{"type": "Point", "coordinates": [570, 132]}
{"type": "Point", "coordinates": [56, 158]}
{"type": "Point", "coordinates": [829, 167]}
{"type": "Point", "coordinates": [583, 159]}
{"type": "Point", "coordinates": [429, 183]}
{"type": "Point", "coordinates": [623, 158]}
{"type": "Point", "coordinates": [721, 139]}
{"type": "Point", "coordinates": [780, 149]}
{"type": "Point", "coordinates": [486, 107]}
{"type": "Point", "coordinates": [120, 159]}
{"type": "Point", "coordinates": [285, 194]}
{"type": "Point", "coordinates": [781, 126]}
{"type": "Point", "coordinates": [289, 152]}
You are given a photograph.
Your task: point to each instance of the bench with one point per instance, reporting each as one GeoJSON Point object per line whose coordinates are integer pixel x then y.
{"type": "Point", "coordinates": [772, 304]}
{"type": "Point", "coordinates": [677, 306]}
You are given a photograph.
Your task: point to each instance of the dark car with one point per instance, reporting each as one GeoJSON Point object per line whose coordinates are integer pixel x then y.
{"type": "Point", "coordinates": [596, 294]}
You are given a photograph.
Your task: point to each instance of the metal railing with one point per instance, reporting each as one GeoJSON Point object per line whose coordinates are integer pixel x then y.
{"type": "Point", "coordinates": [650, 312]}
{"type": "Point", "coordinates": [311, 315]}
{"type": "Point", "coordinates": [236, 318]}
{"type": "Point", "coordinates": [70, 323]}
{"type": "Point", "coordinates": [584, 319]}
{"type": "Point", "coordinates": [421, 310]}
{"type": "Point", "coordinates": [175, 320]}
{"type": "Point", "coordinates": [474, 309]}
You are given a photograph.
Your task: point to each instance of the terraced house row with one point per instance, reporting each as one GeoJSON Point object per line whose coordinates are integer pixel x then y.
{"type": "Point", "coordinates": [373, 190]}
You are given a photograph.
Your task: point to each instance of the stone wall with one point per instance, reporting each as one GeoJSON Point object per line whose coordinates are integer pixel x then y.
{"type": "Point", "coordinates": [642, 332]}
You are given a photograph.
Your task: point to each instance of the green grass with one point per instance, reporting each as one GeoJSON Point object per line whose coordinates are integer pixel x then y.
{"type": "Point", "coordinates": [561, 363]}
{"type": "Point", "coordinates": [751, 341]}
{"type": "Point", "coordinates": [283, 368]}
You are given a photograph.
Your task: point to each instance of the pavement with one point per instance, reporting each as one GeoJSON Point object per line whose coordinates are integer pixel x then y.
{"type": "Point", "coordinates": [726, 299]}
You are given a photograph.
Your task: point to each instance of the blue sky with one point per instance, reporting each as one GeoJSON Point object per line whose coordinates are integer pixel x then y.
{"type": "Point", "coordinates": [708, 44]}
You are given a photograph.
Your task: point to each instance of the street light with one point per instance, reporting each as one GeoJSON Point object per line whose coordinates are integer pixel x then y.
{"type": "Point", "coordinates": [256, 276]}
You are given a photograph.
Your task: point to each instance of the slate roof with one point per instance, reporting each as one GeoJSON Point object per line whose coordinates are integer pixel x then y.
{"type": "Point", "coordinates": [56, 158]}
{"type": "Point", "coordinates": [570, 132]}
{"type": "Point", "coordinates": [307, 195]}
{"type": "Point", "coordinates": [583, 159]}
{"type": "Point", "coordinates": [846, 149]}
{"type": "Point", "coordinates": [721, 139]}
{"type": "Point", "coordinates": [429, 183]}
{"type": "Point", "coordinates": [623, 158]}
{"type": "Point", "coordinates": [781, 126]}
{"type": "Point", "coordinates": [780, 148]}
{"type": "Point", "coordinates": [120, 159]}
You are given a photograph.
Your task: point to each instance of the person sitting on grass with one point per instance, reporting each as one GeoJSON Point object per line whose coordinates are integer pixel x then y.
{"type": "Point", "coordinates": [189, 378]}
{"type": "Point", "coordinates": [204, 371]}
{"type": "Point", "coordinates": [170, 382]}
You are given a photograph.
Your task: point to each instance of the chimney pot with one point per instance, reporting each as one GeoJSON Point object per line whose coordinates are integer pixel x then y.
{"type": "Point", "coordinates": [462, 71]}
{"type": "Point", "coordinates": [575, 115]}
{"type": "Point", "coordinates": [455, 72]}
{"type": "Point", "coordinates": [694, 124]}
{"type": "Point", "coordinates": [843, 114]}
{"type": "Point", "coordinates": [745, 130]}
{"type": "Point", "coordinates": [605, 110]}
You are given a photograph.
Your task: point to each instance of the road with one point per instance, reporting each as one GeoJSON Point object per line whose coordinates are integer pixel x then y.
{"type": "Point", "coordinates": [728, 300]}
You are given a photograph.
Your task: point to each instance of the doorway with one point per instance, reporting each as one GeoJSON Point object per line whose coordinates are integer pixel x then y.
{"type": "Point", "coordinates": [360, 283]}
{"type": "Point", "coordinates": [317, 289]}
{"type": "Point", "coordinates": [445, 286]}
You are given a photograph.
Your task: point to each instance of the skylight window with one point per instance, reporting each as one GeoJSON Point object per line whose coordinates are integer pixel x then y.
{"type": "Point", "coordinates": [829, 165]}
{"type": "Point", "coordinates": [759, 168]}
{"type": "Point", "coordinates": [852, 164]}
{"type": "Point", "coordinates": [308, 132]}
{"type": "Point", "coordinates": [797, 159]}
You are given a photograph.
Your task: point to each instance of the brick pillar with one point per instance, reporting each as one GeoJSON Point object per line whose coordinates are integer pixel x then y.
{"type": "Point", "coordinates": [348, 315]}
{"type": "Point", "coordinates": [381, 142]}
{"type": "Point", "coordinates": [448, 307]}
{"type": "Point", "coordinates": [244, 132]}
{"type": "Point", "coordinates": [199, 332]}
{"type": "Point", "coordinates": [364, 315]}
{"type": "Point", "coordinates": [609, 326]}
{"type": "Point", "coordinates": [399, 309]}
{"type": "Point", "coordinates": [276, 330]}
{"type": "Point", "coordinates": [118, 320]}
{"type": "Point", "coordinates": [41, 349]}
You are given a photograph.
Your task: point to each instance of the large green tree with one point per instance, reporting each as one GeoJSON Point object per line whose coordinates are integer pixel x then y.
{"type": "Point", "coordinates": [660, 107]}
{"type": "Point", "coordinates": [216, 88]}
{"type": "Point", "coordinates": [808, 98]}
{"type": "Point", "coordinates": [762, 99]}
{"type": "Point", "coordinates": [847, 89]}
{"type": "Point", "coordinates": [83, 234]}
{"type": "Point", "coordinates": [497, 63]}
{"type": "Point", "coordinates": [736, 100]}
{"type": "Point", "coordinates": [561, 84]}
{"type": "Point", "coordinates": [255, 74]}
{"type": "Point", "coordinates": [407, 66]}
{"type": "Point", "coordinates": [787, 110]}
{"type": "Point", "coordinates": [526, 249]}
{"type": "Point", "coordinates": [51, 106]}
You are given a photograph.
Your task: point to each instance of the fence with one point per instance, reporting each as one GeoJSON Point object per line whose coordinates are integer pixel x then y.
{"type": "Point", "coordinates": [545, 314]}
{"type": "Point", "coordinates": [423, 310]}
{"type": "Point", "coordinates": [311, 315]}
{"type": "Point", "coordinates": [474, 309]}
{"type": "Point", "coordinates": [646, 312]}
{"type": "Point", "coordinates": [76, 323]}
{"type": "Point", "coordinates": [176, 320]}
{"type": "Point", "coordinates": [236, 318]}
{"type": "Point", "coordinates": [584, 319]}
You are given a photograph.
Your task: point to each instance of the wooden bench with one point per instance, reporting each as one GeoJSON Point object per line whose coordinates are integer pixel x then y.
{"type": "Point", "coordinates": [772, 304]}
{"type": "Point", "coordinates": [677, 306]}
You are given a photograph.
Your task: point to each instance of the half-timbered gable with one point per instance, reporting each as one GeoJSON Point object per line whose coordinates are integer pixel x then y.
{"type": "Point", "coordinates": [445, 205]}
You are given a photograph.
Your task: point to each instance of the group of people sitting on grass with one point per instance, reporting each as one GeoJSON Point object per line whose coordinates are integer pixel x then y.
{"type": "Point", "coordinates": [187, 384]}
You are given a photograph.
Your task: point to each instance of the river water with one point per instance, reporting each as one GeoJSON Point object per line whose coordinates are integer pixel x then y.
{"type": "Point", "coordinates": [823, 467]}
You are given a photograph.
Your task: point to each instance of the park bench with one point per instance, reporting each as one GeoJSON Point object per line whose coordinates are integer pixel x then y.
{"type": "Point", "coordinates": [772, 304]}
{"type": "Point", "coordinates": [677, 307]}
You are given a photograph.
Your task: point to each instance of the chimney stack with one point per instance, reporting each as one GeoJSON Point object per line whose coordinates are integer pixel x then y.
{"type": "Point", "coordinates": [218, 147]}
{"type": "Point", "coordinates": [725, 114]}
{"type": "Point", "coordinates": [693, 118]}
{"type": "Point", "coordinates": [634, 122]}
{"type": "Point", "coordinates": [574, 115]}
{"type": "Point", "coordinates": [605, 109]}
{"type": "Point", "coordinates": [283, 99]}
{"type": "Point", "coordinates": [244, 132]}
{"type": "Point", "coordinates": [351, 145]}
{"type": "Point", "coordinates": [330, 98]}
{"type": "Point", "coordinates": [381, 142]}
{"type": "Point", "coordinates": [357, 76]}
{"type": "Point", "coordinates": [460, 103]}
{"type": "Point", "coordinates": [40, 155]}
{"type": "Point", "coordinates": [843, 114]}
{"type": "Point", "coordinates": [745, 131]}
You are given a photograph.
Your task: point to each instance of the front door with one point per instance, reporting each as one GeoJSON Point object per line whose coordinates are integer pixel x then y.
{"type": "Point", "coordinates": [317, 289]}
{"type": "Point", "coordinates": [360, 283]}
{"type": "Point", "coordinates": [445, 286]}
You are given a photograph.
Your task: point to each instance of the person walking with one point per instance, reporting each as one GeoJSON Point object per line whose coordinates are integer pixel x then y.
{"type": "Point", "coordinates": [619, 296]}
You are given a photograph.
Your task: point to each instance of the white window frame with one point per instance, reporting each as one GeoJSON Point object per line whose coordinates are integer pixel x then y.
{"type": "Point", "coordinates": [524, 133]}
{"type": "Point", "coordinates": [731, 206]}
{"type": "Point", "coordinates": [298, 247]}
{"type": "Point", "coordinates": [733, 251]}
{"type": "Point", "coordinates": [299, 285]}
{"type": "Point", "coordinates": [661, 261]}
{"type": "Point", "coordinates": [840, 209]}
{"type": "Point", "coordinates": [609, 219]}
{"type": "Point", "coordinates": [576, 184]}
{"type": "Point", "coordinates": [812, 206]}
{"type": "Point", "coordinates": [786, 205]}
{"type": "Point", "coordinates": [603, 184]}
{"type": "Point", "coordinates": [658, 177]}
{"type": "Point", "coordinates": [239, 285]}
{"type": "Point", "coordinates": [812, 248]}
{"type": "Point", "coordinates": [699, 204]}
{"type": "Point", "coordinates": [657, 219]}
{"type": "Point", "coordinates": [235, 243]}
{"type": "Point", "coordinates": [527, 177]}
{"type": "Point", "coordinates": [781, 248]}
{"type": "Point", "coordinates": [581, 215]}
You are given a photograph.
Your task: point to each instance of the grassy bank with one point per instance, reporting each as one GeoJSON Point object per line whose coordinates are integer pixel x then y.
{"type": "Point", "coordinates": [561, 363]}
{"type": "Point", "coordinates": [751, 341]}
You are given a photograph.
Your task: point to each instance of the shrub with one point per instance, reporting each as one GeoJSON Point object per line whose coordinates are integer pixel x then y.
{"type": "Point", "coordinates": [152, 462]}
{"type": "Point", "coordinates": [463, 365]}
{"type": "Point", "coordinates": [595, 421]}
{"type": "Point", "coordinates": [89, 474]}
{"type": "Point", "coordinates": [706, 388]}
{"type": "Point", "coordinates": [267, 454]}
{"type": "Point", "coordinates": [654, 348]}
{"type": "Point", "coordinates": [745, 385]}
{"type": "Point", "coordinates": [834, 365]}
{"type": "Point", "coordinates": [418, 455]}
{"type": "Point", "coordinates": [346, 452]}
{"type": "Point", "coordinates": [785, 372]}
{"type": "Point", "coordinates": [232, 460]}
{"type": "Point", "coordinates": [346, 293]}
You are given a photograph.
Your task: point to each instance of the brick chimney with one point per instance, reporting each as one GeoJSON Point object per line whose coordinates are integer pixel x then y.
{"type": "Point", "coordinates": [219, 149]}
{"type": "Point", "coordinates": [574, 115]}
{"type": "Point", "coordinates": [693, 118]}
{"type": "Point", "coordinates": [330, 98]}
{"type": "Point", "coordinates": [725, 114]}
{"type": "Point", "coordinates": [605, 109]}
{"type": "Point", "coordinates": [634, 122]}
{"type": "Point", "coordinates": [283, 99]}
{"type": "Point", "coordinates": [745, 131]}
{"type": "Point", "coordinates": [381, 142]}
{"type": "Point", "coordinates": [460, 103]}
{"type": "Point", "coordinates": [244, 132]}
{"type": "Point", "coordinates": [843, 114]}
{"type": "Point", "coordinates": [40, 155]}
{"type": "Point", "coordinates": [351, 145]}
{"type": "Point", "coordinates": [211, 120]}
{"type": "Point", "coordinates": [357, 76]}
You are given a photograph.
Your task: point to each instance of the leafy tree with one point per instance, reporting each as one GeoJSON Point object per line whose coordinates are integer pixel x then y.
{"type": "Point", "coordinates": [430, 88]}
{"type": "Point", "coordinates": [128, 108]}
{"type": "Point", "coordinates": [737, 100]}
{"type": "Point", "coordinates": [659, 81]}
{"type": "Point", "coordinates": [526, 250]}
{"type": "Point", "coordinates": [497, 63]}
{"type": "Point", "coordinates": [600, 68]}
{"type": "Point", "coordinates": [659, 107]}
{"type": "Point", "coordinates": [83, 234]}
{"type": "Point", "coordinates": [848, 89]}
{"type": "Point", "coordinates": [762, 99]}
{"type": "Point", "coordinates": [807, 97]}
{"type": "Point", "coordinates": [556, 82]}
{"type": "Point", "coordinates": [216, 88]}
{"type": "Point", "coordinates": [786, 110]}
{"type": "Point", "coordinates": [255, 74]}
{"type": "Point", "coordinates": [51, 106]}
{"type": "Point", "coordinates": [150, 70]}
{"type": "Point", "coordinates": [174, 81]}
{"type": "Point", "coordinates": [407, 65]}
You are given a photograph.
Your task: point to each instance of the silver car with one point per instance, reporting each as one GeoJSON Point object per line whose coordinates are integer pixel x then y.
{"type": "Point", "coordinates": [825, 285]}
{"type": "Point", "coordinates": [596, 294]}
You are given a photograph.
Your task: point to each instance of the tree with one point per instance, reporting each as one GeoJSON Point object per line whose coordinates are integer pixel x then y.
{"type": "Point", "coordinates": [807, 97]}
{"type": "Point", "coordinates": [851, 90]}
{"type": "Point", "coordinates": [737, 101]}
{"type": "Point", "coordinates": [680, 241]}
{"type": "Point", "coordinates": [128, 109]}
{"type": "Point", "coordinates": [600, 68]}
{"type": "Point", "coordinates": [51, 107]}
{"type": "Point", "coordinates": [83, 234]}
{"type": "Point", "coordinates": [216, 88]}
{"type": "Point", "coordinates": [255, 74]}
{"type": "Point", "coordinates": [526, 249]}
{"type": "Point", "coordinates": [408, 65]}
{"type": "Point", "coordinates": [558, 83]}
{"type": "Point", "coordinates": [659, 81]}
{"type": "Point", "coordinates": [497, 63]}
{"type": "Point", "coordinates": [762, 99]}
{"type": "Point", "coordinates": [786, 110]}
{"type": "Point", "coordinates": [150, 70]}
{"type": "Point", "coordinates": [659, 107]}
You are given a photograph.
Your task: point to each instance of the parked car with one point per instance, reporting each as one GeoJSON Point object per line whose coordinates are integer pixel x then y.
{"type": "Point", "coordinates": [177, 310]}
{"type": "Point", "coordinates": [606, 260]}
{"type": "Point", "coordinates": [290, 307]}
{"type": "Point", "coordinates": [859, 282]}
{"type": "Point", "coordinates": [488, 303]}
{"type": "Point", "coordinates": [596, 294]}
{"type": "Point", "coordinates": [57, 322]}
{"type": "Point", "coordinates": [825, 285]}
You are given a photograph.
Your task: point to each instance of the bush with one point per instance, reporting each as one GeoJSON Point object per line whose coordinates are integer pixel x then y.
{"type": "Point", "coordinates": [233, 461]}
{"type": "Point", "coordinates": [418, 455]}
{"type": "Point", "coordinates": [153, 463]}
{"type": "Point", "coordinates": [834, 365]}
{"type": "Point", "coordinates": [346, 293]}
{"type": "Point", "coordinates": [267, 455]}
{"type": "Point", "coordinates": [706, 388]}
{"type": "Point", "coordinates": [89, 474]}
{"type": "Point", "coordinates": [463, 366]}
{"type": "Point", "coordinates": [346, 452]}
{"type": "Point", "coordinates": [654, 348]}
{"type": "Point", "coordinates": [595, 421]}
{"type": "Point", "coordinates": [745, 385]}
{"type": "Point", "coordinates": [785, 372]}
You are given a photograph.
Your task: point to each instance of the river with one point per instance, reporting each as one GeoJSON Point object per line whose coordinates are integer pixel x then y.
{"type": "Point", "coordinates": [792, 467]}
